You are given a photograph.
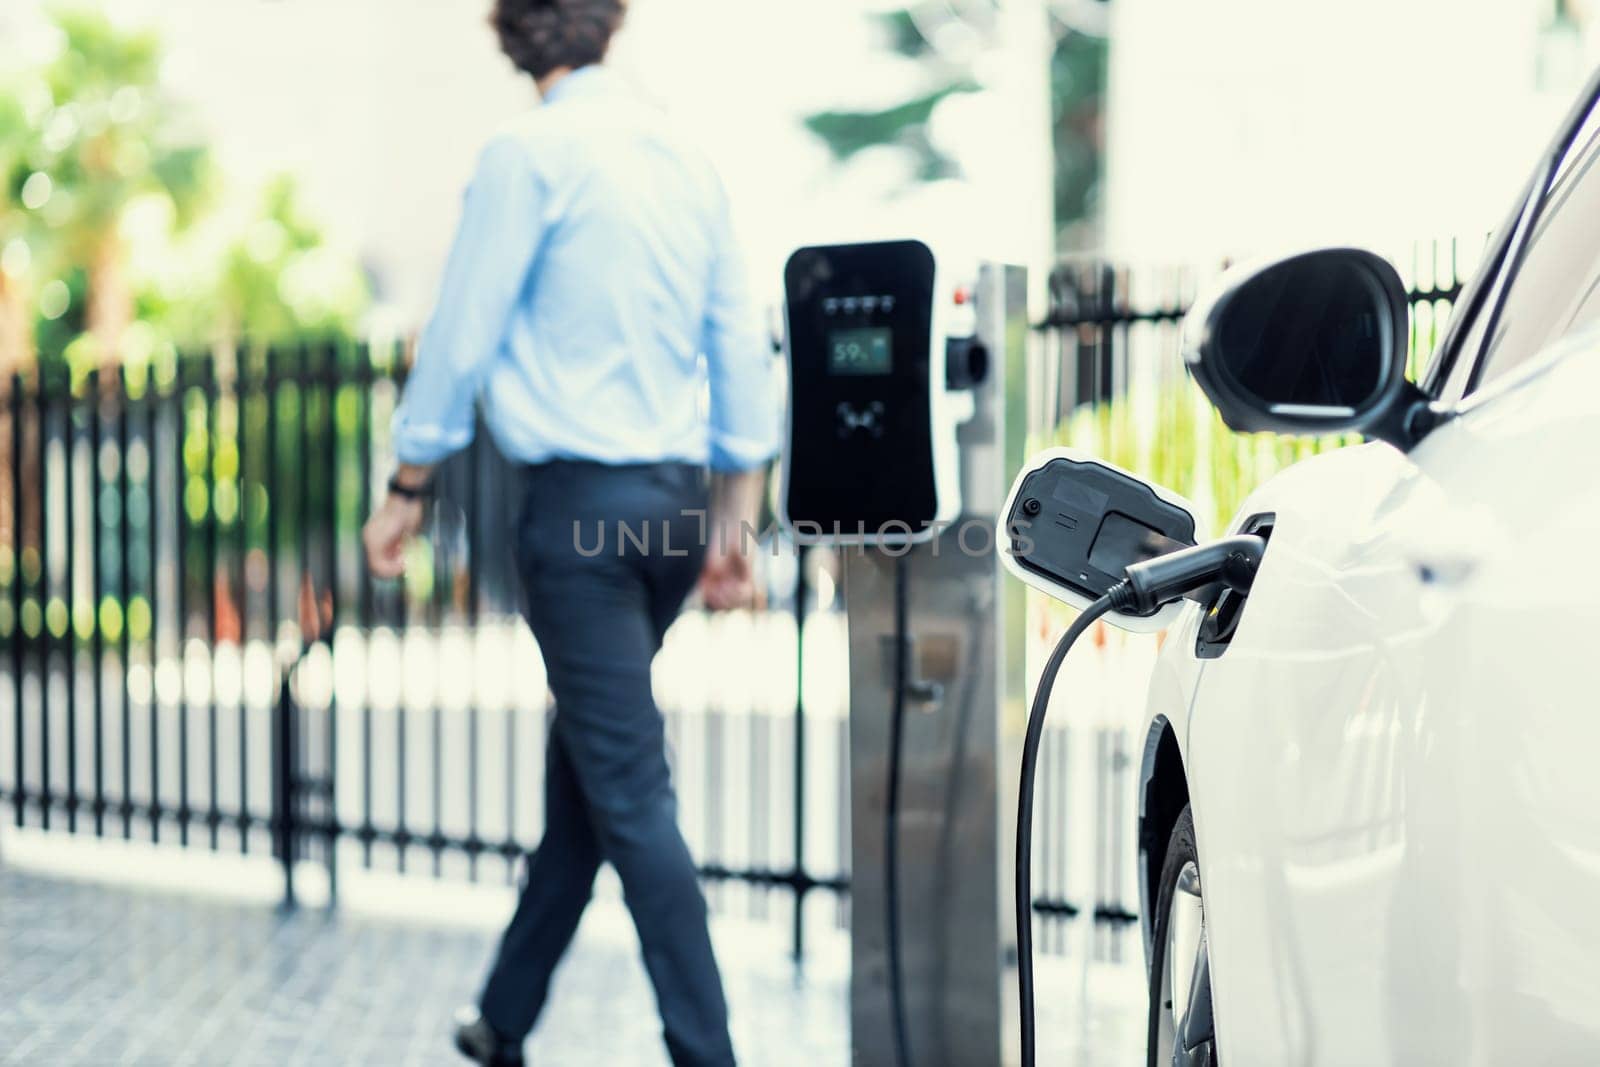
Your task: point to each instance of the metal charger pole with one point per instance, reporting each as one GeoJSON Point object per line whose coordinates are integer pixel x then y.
{"type": "Point", "coordinates": [964, 711]}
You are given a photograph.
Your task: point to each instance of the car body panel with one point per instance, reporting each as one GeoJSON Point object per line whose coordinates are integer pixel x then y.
{"type": "Point", "coordinates": [1392, 767]}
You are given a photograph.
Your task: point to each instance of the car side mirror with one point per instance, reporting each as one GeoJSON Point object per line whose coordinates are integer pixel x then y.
{"type": "Point", "coordinates": [1312, 343]}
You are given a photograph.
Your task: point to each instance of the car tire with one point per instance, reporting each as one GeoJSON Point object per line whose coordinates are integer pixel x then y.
{"type": "Point", "coordinates": [1180, 971]}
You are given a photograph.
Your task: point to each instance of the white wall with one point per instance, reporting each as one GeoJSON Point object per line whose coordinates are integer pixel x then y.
{"type": "Point", "coordinates": [1239, 126]}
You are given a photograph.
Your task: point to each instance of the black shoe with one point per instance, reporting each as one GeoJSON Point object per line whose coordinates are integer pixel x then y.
{"type": "Point", "coordinates": [477, 1041]}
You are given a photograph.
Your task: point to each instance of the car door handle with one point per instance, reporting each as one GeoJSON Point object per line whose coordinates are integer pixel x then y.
{"type": "Point", "coordinates": [1443, 554]}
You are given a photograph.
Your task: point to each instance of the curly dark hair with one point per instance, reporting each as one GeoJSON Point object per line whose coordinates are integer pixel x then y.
{"type": "Point", "coordinates": [540, 36]}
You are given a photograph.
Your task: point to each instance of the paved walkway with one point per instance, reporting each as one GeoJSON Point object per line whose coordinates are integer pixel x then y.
{"type": "Point", "coordinates": [100, 974]}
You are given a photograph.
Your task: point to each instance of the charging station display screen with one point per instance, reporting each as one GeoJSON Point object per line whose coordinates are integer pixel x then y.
{"type": "Point", "coordinates": [860, 454]}
{"type": "Point", "coordinates": [861, 351]}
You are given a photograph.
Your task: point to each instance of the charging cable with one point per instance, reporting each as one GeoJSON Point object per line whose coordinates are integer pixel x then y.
{"type": "Point", "coordinates": [891, 825]}
{"type": "Point", "coordinates": [1190, 572]}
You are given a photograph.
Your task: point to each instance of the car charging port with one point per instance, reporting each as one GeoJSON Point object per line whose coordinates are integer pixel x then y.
{"type": "Point", "coordinates": [1226, 607]}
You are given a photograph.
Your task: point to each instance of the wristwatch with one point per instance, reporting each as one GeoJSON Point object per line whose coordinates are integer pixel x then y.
{"type": "Point", "coordinates": [411, 492]}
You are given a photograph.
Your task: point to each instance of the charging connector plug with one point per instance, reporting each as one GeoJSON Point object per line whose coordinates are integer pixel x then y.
{"type": "Point", "coordinates": [1194, 573]}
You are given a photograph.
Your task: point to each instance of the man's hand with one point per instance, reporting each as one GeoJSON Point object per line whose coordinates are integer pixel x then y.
{"type": "Point", "coordinates": [390, 529]}
{"type": "Point", "coordinates": [727, 582]}
{"type": "Point", "coordinates": [388, 532]}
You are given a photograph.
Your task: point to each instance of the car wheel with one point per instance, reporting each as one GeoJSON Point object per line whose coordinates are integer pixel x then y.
{"type": "Point", "coordinates": [1182, 1033]}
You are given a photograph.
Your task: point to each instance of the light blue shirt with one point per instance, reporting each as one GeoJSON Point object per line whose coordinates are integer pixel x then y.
{"type": "Point", "coordinates": [594, 300]}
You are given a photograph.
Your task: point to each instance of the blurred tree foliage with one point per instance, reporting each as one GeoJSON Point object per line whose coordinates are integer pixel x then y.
{"type": "Point", "coordinates": [1077, 91]}
{"type": "Point", "coordinates": [266, 276]}
{"type": "Point", "coordinates": [1077, 80]}
{"type": "Point", "coordinates": [109, 140]}
{"type": "Point", "coordinates": [903, 125]}
{"type": "Point", "coordinates": [16, 227]}
{"type": "Point", "coordinates": [116, 226]}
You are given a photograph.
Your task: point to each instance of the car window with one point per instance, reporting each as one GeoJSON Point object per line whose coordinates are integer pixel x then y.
{"type": "Point", "coordinates": [1556, 289]}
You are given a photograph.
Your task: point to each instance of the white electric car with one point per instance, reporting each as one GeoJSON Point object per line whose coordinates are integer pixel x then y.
{"type": "Point", "coordinates": [1370, 800]}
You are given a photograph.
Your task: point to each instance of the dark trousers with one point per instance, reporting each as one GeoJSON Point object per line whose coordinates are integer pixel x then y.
{"type": "Point", "coordinates": [599, 606]}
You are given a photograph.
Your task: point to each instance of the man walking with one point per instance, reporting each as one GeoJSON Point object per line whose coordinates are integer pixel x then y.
{"type": "Point", "coordinates": [593, 300]}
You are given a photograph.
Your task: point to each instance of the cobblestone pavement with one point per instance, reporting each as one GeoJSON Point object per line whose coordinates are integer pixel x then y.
{"type": "Point", "coordinates": [100, 974]}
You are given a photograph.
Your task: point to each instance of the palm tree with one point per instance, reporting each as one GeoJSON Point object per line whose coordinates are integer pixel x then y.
{"type": "Point", "coordinates": [110, 138]}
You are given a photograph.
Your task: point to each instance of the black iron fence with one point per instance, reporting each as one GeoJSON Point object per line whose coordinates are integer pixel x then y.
{"type": "Point", "coordinates": [196, 654]}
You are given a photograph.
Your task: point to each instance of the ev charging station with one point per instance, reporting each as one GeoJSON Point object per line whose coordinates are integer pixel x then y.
{"type": "Point", "coordinates": [900, 442]}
